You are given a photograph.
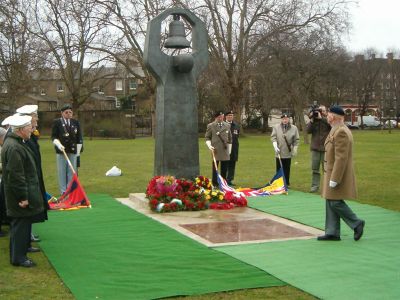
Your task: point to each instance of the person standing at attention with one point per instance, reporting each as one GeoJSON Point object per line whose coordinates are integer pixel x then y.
{"type": "Point", "coordinates": [219, 141]}
{"type": "Point", "coordinates": [66, 136]}
{"type": "Point", "coordinates": [235, 130]}
{"type": "Point", "coordinates": [285, 140]}
{"type": "Point", "coordinates": [319, 129]}
{"type": "Point", "coordinates": [21, 188]}
{"type": "Point", "coordinates": [339, 179]}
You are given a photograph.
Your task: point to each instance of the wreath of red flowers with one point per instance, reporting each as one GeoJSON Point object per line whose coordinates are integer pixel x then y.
{"type": "Point", "coordinates": [168, 194]}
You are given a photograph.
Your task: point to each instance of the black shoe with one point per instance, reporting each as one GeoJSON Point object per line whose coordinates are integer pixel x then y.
{"type": "Point", "coordinates": [33, 249]}
{"type": "Point", "coordinates": [359, 230]}
{"type": "Point", "coordinates": [34, 239]}
{"type": "Point", "coordinates": [27, 264]}
{"type": "Point", "coordinates": [328, 237]}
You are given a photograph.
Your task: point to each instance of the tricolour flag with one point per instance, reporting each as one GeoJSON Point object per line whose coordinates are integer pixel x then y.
{"type": "Point", "coordinates": [74, 197]}
{"type": "Point", "coordinates": [275, 187]}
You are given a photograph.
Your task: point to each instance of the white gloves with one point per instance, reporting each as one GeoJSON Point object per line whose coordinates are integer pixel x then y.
{"type": "Point", "coordinates": [208, 143]}
{"type": "Point", "coordinates": [294, 150]}
{"type": "Point", "coordinates": [275, 144]}
{"type": "Point", "coordinates": [229, 148]}
{"type": "Point", "coordinates": [78, 149]}
{"type": "Point", "coordinates": [58, 144]}
{"type": "Point", "coordinates": [332, 184]}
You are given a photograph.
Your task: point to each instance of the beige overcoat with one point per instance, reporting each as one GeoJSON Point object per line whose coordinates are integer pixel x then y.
{"type": "Point", "coordinates": [338, 165]}
{"type": "Point", "coordinates": [220, 137]}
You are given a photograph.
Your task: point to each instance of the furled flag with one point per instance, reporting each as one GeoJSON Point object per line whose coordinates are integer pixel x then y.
{"type": "Point", "coordinates": [276, 186]}
{"type": "Point", "coordinates": [73, 198]}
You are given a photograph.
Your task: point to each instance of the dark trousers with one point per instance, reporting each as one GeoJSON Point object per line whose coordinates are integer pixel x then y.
{"type": "Point", "coordinates": [224, 170]}
{"type": "Point", "coordinates": [231, 171]}
{"type": "Point", "coordinates": [20, 235]}
{"type": "Point", "coordinates": [286, 168]}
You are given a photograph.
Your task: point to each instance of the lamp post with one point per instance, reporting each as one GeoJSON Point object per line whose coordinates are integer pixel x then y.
{"type": "Point", "coordinates": [176, 133]}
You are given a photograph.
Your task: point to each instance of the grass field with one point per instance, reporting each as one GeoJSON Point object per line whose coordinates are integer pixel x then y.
{"type": "Point", "coordinates": [376, 157]}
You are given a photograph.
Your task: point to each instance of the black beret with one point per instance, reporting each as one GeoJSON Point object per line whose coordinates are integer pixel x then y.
{"type": "Point", "coordinates": [218, 113]}
{"type": "Point", "coordinates": [65, 107]}
{"type": "Point", "coordinates": [284, 115]}
{"type": "Point", "coordinates": [336, 109]}
{"type": "Point", "coordinates": [229, 112]}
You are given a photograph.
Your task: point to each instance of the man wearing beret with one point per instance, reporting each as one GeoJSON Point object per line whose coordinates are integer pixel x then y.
{"type": "Point", "coordinates": [21, 187]}
{"type": "Point", "coordinates": [285, 140]}
{"type": "Point", "coordinates": [339, 179]}
{"type": "Point", "coordinates": [219, 141]}
{"type": "Point", "coordinates": [66, 136]}
{"type": "Point", "coordinates": [235, 130]}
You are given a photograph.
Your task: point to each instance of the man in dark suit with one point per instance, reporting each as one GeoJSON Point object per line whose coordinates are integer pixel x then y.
{"type": "Point", "coordinates": [235, 130]}
{"type": "Point", "coordinates": [219, 141]}
{"type": "Point", "coordinates": [66, 136]}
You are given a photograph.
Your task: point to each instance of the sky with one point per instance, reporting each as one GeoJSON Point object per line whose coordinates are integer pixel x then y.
{"type": "Point", "coordinates": [376, 23]}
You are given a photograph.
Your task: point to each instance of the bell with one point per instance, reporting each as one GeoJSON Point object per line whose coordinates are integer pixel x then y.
{"type": "Point", "coordinates": [176, 36]}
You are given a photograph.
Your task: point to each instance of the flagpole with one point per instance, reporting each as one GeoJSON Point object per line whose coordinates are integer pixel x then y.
{"type": "Point", "coordinates": [69, 162]}
{"type": "Point", "coordinates": [215, 161]}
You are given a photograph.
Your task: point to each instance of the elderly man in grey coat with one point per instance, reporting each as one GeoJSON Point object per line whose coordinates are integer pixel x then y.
{"type": "Point", "coordinates": [219, 141]}
{"type": "Point", "coordinates": [339, 179]}
{"type": "Point", "coordinates": [285, 140]}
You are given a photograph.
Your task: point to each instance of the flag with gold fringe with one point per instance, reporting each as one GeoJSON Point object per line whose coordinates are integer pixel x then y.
{"type": "Point", "coordinates": [73, 198]}
{"type": "Point", "coordinates": [276, 186]}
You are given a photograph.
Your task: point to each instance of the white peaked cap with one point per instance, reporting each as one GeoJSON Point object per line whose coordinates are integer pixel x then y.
{"type": "Point", "coordinates": [6, 121]}
{"type": "Point", "coordinates": [28, 109]}
{"type": "Point", "coordinates": [19, 121]}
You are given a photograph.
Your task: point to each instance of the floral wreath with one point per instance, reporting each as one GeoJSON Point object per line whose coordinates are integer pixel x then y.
{"type": "Point", "coordinates": [168, 194]}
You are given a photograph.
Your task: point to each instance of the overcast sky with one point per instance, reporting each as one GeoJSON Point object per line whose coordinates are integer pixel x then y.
{"type": "Point", "coordinates": [376, 23]}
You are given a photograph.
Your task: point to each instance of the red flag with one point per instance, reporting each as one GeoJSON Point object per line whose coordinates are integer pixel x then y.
{"type": "Point", "coordinates": [73, 197]}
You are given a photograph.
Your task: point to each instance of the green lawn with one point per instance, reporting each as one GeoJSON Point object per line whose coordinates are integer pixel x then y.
{"type": "Point", "coordinates": [377, 161]}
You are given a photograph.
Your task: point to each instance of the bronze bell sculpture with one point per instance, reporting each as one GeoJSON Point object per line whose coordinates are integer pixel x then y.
{"type": "Point", "coordinates": [176, 36]}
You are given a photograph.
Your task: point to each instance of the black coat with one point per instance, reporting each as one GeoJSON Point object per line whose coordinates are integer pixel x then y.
{"type": "Point", "coordinates": [69, 136]}
{"type": "Point", "coordinates": [33, 144]}
{"type": "Point", "coordinates": [235, 130]}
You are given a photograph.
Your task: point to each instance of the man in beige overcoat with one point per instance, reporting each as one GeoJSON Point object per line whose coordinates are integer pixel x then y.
{"type": "Point", "coordinates": [339, 179]}
{"type": "Point", "coordinates": [219, 141]}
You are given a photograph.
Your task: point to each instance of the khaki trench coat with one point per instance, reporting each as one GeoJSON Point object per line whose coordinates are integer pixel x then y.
{"type": "Point", "coordinates": [338, 165]}
{"type": "Point", "coordinates": [220, 137]}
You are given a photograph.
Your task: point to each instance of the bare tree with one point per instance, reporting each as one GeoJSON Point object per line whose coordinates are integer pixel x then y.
{"type": "Point", "coordinates": [364, 78]}
{"type": "Point", "coordinates": [16, 52]}
{"type": "Point", "coordinates": [240, 29]}
{"type": "Point", "coordinates": [68, 27]}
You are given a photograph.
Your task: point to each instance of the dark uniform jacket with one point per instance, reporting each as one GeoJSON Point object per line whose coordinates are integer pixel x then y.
{"type": "Point", "coordinates": [235, 130]}
{"type": "Point", "coordinates": [33, 144]}
{"type": "Point", "coordinates": [319, 130]}
{"type": "Point", "coordinates": [69, 136]}
{"type": "Point", "coordinates": [20, 178]}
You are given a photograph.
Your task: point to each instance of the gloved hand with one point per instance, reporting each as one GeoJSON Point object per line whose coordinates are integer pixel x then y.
{"type": "Point", "coordinates": [294, 150]}
{"type": "Point", "coordinates": [275, 144]}
{"type": "Point", "coordinates": [229, 148]}
{"type": "Point", "coordinates": [332, 184]}
{"type": "Point", "coordinates": [208, 143]}
{"type": "Point", "coordinates": [58, 144]}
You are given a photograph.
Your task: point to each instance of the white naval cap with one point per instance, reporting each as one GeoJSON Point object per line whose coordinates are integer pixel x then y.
{"type": "Point", "coordinates": [28, 109]}
{"type": "Point", "coordinates": [6, 121]}
{"type": "Point", "coordinates": [19, 121]}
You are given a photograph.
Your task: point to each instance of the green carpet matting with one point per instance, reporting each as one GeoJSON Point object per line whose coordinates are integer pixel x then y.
{"type": "Point", "coordinates": [366, 269]}
{"type": "Point", "coordinates": [113, 252]}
